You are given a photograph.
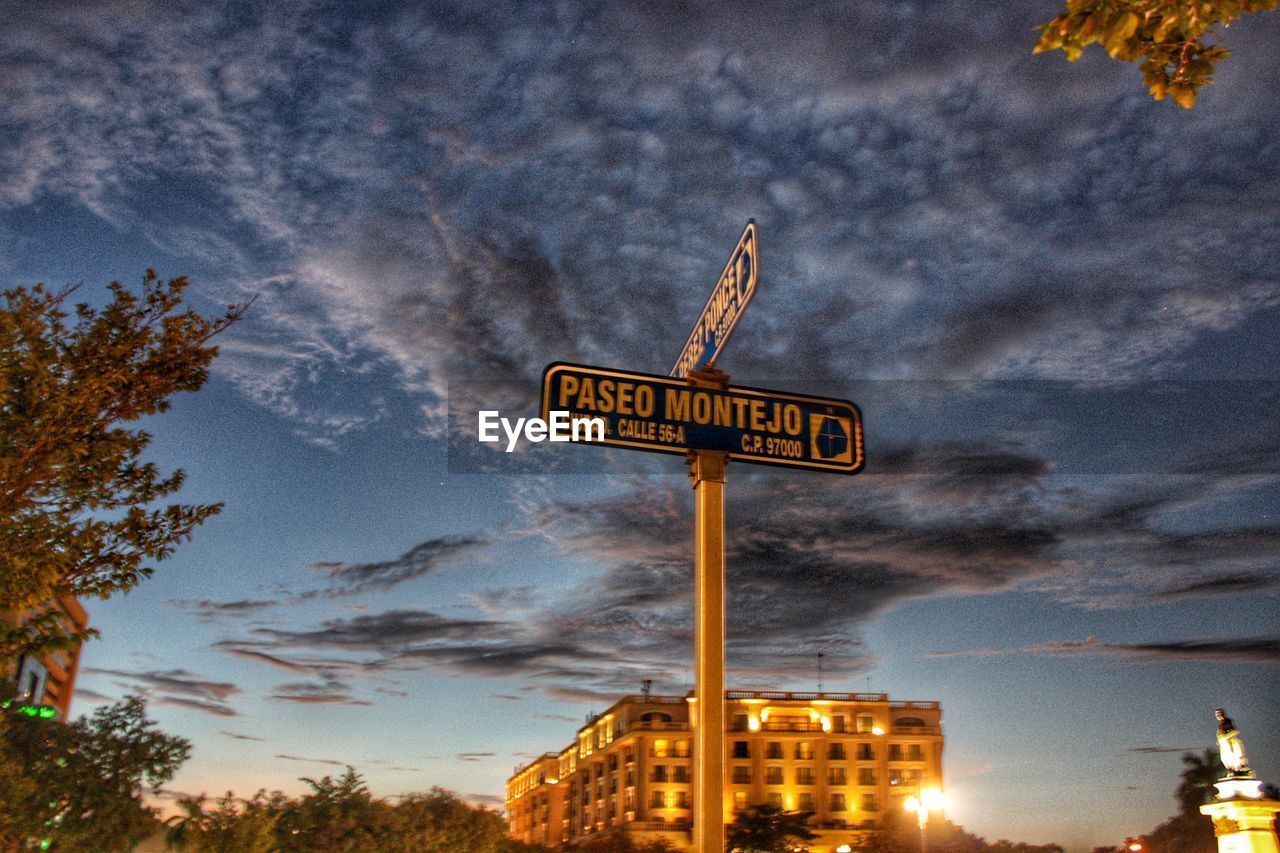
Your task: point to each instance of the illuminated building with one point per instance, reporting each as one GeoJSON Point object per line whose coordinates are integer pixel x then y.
{"type": "Point", "coordinates": [849, 758]}
{"type": "Point", "coordinates": [49, 678]}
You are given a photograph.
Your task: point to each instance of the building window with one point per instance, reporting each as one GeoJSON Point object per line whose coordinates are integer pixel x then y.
{"type": "Point", "coordinates": [661, 747]}
{"type": "Point", "coordinates": [741, 774]}
{"type": "Point", "coordinates": [32, 677]}
{"type": "Point", "coordinates": [895, 776]}
{"type": "Point", "coordinates": [741, 749]}
{"type": "Point", "coordinates": [739, 722]}
{"type": "Point", "coordinates": [658, 799]}
{"type": "Point", "coordinates": [835, 752]}
{"type": "Point", "coordinates": [914, 777]}
{"type": "Point", "coordinates": [837, 803]}
{"type": "Point", "coordinates": [895, 752]}
{"type": "Point", "coordinates": [773, 775]}
{"type": "Point", "coordinates": [773, 750]}
{"type": "Point", "coordinates": [869, 803]}
{"type": "Point", "coordinates": [804, 750]}
{"type": "Point", "coordinates": [774, 799]}
{"type": "Point", "coordinates": [866, 722]}
{"type": "Point", "coordinates": [739, 801]}
{"type": "Point", "coordinates": [659, 773]}
{"type": "Point", "coordinates": [866, 776]}
{"type": "Point", "coordinates": [681, 799]}
{"type": "Point", "coordinates": [682, 749]}
{"type": "Point", "coordinates": [804, 775]}
{"type": "Point", "coordinates": [866, 752]}
{"type": "Point", "coordinates": [679, 773]}
{"type": "Point", "coordinates": [805, 802]}
{"type": "Point", "coordinates": [835, 776]}
{"type": "Point", "coordinates": [914, 753]}
{"type": "Point", "coordinates": [837, 723]}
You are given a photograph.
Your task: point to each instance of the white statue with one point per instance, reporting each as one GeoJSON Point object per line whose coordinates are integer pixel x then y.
{"type": "Point", "coordinates": [1231, 747]}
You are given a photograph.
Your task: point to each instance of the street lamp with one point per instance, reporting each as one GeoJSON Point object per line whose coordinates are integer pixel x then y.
{"type": "Point", "coordinates": [930, 799]}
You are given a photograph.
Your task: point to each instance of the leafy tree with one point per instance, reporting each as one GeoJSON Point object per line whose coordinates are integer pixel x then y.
{"type": "Point", "coordinates": [1175, 39]}
{"type": "Point", "coordinates": [16, 786]}
{"type": "Point", "coordinates": [232, 825]}
{"type": "Point", "coordinates": [768, 829]}
{"type": "Point", "coordinates": [86, 779]}
{"type": "Point", "coordinates": [1189, 831]}
{"type": "Point", "coordinates": [899, 833]}
{"type": "Point", "coordinates": [341, 814]}
{"type": "Point", "coordinates": [77, 503]}
{"type": "Point", "coordinates": [439, 821]}
{"type": "Point", "coordinates": [1201, 774]}
{"type": "Point", "coordinates": [338, 815]}
{"type": "Point", "coordinates": [618, 841]}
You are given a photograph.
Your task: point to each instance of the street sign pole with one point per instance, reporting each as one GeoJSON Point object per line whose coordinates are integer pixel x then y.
{"type": "Point", "coordinates": [695, 412]}
{"type": "Point", "coordinates": [706, 469]}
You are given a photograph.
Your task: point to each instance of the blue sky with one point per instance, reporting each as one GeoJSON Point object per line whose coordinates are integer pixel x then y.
{"type": "Point", "coordinates": [1055, 300]}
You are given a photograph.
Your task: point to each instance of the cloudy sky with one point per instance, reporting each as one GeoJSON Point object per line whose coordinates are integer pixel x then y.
{"type": "Point", "coordinates": [1056, 301]}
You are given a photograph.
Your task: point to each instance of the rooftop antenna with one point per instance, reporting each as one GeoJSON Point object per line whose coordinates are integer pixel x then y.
{"type": "Point", "coordinates": [819, 673]}
{"type": "Point", "coordinates": [646, 687]}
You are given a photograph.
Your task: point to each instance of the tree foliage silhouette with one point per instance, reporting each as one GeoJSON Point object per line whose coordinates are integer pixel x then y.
{"type": "Point", "coordinates": [80, 511]}
{"type": "Point", "coordinates": [1177, 40]}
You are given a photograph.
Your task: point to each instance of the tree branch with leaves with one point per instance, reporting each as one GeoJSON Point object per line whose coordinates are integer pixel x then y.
{"type": "Point", "coordinates": [81, 513]}
{"type": "Point", "coordinates": [1177, 40]}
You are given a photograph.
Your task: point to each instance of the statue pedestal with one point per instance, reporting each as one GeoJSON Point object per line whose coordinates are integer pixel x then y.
{"type": "Point", "coordinates": [1242, 817]}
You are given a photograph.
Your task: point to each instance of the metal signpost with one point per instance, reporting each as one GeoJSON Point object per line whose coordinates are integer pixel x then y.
{"type": "Point", "coordinates": [700, 416]}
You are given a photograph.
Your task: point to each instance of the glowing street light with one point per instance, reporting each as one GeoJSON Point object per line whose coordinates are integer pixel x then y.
{"type": "Point", "coordinates": [930, 800]}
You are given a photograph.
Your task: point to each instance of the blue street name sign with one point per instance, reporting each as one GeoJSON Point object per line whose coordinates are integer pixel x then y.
{"type": "Point", "coordinates": [733, 290]}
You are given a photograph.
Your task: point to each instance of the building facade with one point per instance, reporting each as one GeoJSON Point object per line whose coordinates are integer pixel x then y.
{"type": "Point", "coordinates": [845, 757]}
{"type": "Point", "coordinates": [49, 678]}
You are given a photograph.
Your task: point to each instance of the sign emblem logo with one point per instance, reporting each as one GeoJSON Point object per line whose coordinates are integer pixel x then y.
{"type": "Point", "coordinates": [831, 437]}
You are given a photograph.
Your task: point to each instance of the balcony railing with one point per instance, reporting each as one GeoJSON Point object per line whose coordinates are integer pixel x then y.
{"type": "Point", "coordinates": [770, 726]}
{"type": "Point", "coordinates": [917, 730]}
{"type": "Point", "coordinates": [831, 697]}
{"type": "Point", "coordinates": [657, 726]}
{"type": "Point", "coordinates": [654, 826]}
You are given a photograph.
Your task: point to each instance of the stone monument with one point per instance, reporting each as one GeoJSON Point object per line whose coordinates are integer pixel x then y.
{"type": "Point", "coordinates": [1241, 812]}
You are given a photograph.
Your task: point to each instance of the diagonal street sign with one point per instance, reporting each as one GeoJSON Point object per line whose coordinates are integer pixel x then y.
{"type": "Point", "coordinates": [733, 290]}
